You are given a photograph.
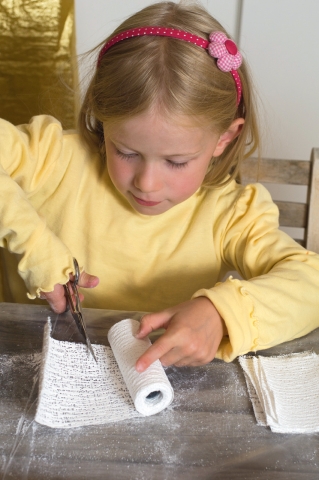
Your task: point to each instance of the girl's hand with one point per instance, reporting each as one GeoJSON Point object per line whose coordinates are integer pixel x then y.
{"type": "Point", "coordinates": [194, 330]}
{"type": "Point", "coordinates": [57, 299]}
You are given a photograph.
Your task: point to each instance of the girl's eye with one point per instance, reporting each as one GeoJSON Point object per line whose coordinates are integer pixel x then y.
{"type": "Point", "coordinates": [130, 156]}
{"type": "Point", "coordinates": [176, 164]}
{"type": "Point", "coordinates": [126, 156]}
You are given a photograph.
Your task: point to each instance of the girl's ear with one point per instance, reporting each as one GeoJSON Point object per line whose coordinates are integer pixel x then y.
{"type": "Point", "coordinates": [227, 137]}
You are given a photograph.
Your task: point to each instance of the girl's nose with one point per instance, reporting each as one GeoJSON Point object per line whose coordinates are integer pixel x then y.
{"type": "Point", "coordinates": [147, 179]}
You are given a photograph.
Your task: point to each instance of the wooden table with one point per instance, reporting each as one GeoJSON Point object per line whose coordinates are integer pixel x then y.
{"type": "Point", "coordinates": [209, 432]}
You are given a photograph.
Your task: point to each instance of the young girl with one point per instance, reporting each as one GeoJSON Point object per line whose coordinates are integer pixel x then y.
{"type": "Point", "coordinates": [144, 197]}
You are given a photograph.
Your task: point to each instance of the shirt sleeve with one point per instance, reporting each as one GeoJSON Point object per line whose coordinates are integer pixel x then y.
{"type": "Point", "coordinates": [277, 300]}
{"type": "Point", "coordinates": [28, 156]}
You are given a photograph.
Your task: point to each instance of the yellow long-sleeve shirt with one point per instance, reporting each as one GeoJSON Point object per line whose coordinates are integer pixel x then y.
{"type": "Point", "coordinates": [56, 204]}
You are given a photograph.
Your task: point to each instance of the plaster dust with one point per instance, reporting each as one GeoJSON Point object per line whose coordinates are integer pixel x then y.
{"type": "Point", "coordinates": [17, 418]}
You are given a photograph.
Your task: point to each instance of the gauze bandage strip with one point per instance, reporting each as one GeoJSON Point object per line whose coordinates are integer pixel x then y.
{"type": "Point", "coordinates": [151, 391]}
{"type": "Point", "coordinates": [284, 391]}
{"type": "Point", "coordinates": [75, 390]}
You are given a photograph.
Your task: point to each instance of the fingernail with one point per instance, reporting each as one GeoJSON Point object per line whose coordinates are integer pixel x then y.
{"type": "Point", "coordinates": [139, 367]}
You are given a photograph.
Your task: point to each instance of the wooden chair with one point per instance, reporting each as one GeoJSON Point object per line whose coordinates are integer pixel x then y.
{"type": "Point", "coordinates": [291, 172]}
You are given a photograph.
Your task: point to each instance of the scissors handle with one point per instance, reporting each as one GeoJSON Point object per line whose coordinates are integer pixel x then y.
{"type": "Point", "coordinates": [72, 295]}
{"type": "Point", "coordinates": [76, 272]}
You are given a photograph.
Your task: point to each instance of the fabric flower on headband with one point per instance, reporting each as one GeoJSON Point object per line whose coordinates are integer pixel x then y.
{"type": "Point", "coordinates": [229, 58]}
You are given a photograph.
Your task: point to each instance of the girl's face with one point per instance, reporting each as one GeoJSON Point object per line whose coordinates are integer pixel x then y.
{"type": "Point", "coordinates": [157, 163]}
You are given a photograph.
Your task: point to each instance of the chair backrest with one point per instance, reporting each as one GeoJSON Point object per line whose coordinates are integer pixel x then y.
{"type": "Point", "coordinates": [291, 172]}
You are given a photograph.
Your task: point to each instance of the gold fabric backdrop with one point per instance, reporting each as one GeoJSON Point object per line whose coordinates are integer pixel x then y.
{"type": "Point", "coordinates": [37, 61]}
{"type": "Point", "coordinates": [37, 66]}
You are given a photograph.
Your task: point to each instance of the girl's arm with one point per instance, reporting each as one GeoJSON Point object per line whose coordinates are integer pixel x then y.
{"type": "Point", "coordinates": [29, 160]}
{"type": "Point", "coordinates": [276, 301]}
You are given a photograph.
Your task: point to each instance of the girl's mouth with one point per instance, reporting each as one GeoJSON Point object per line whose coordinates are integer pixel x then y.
{"type": "Point", "coordinates": [145, 203]}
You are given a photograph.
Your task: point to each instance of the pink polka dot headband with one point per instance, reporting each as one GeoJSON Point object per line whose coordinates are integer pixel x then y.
{"type": "Point", "coordinates": [218, 46]}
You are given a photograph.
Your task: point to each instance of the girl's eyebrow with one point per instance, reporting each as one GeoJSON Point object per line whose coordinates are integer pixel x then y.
{"type": "Point", "coordinates": [120, 144]}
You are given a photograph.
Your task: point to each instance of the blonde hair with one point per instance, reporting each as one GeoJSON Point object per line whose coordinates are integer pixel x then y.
{"type": "Point", "coordinates": [181, 78]}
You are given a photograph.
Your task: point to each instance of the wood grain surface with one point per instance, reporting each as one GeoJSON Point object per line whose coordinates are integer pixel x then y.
{"type": "Point", "coordinates": [273, 170]}
{"type": "Point", "coordinates": [312, 234]}
{"type": "Point", "coordinates": [209, 432]}
{"type": "Point", "coordinates": [290, 172]}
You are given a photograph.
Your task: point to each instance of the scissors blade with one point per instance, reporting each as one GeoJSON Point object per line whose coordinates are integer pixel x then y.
{"type": "Point", "coordinates": [76, 312]}
{"type": "Point", "coordinates": [79, 320]}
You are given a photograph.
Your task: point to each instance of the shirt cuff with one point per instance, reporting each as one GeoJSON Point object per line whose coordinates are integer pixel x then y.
{"type": "Point", "coordinates": [233, 303]}
{"type": "Point", "coordinates": [48, 263]}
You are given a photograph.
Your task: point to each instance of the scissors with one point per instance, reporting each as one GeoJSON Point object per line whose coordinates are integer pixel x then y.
{"type": "Point", "coordinates": [75, 305]}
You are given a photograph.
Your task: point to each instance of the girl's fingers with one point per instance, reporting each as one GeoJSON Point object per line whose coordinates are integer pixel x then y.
{"type": "Point", "coordinates": [156, 351]}
{"type": "Point", "coordinates": [86, 280]}
{"type": "Point", "coordinates": [151, 322]}
{"type": "Point", "coordinates": [173, 357]}
{"type": "Point", "coordinates": [187, 362]}
{"type": "Point", "coordinates": [56, 299]}
{"type": "Point", "coordinates": [167, 355]}
{"type": "Point", "coordinates": [194, 330]}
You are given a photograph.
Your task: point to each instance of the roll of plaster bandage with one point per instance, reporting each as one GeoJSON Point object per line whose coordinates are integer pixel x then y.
{"type": "Point", "coordinates": [151, 390]}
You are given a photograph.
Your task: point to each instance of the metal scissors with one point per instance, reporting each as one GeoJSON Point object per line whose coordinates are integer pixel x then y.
{"type": "Point", "coordinates": [75, 306]}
